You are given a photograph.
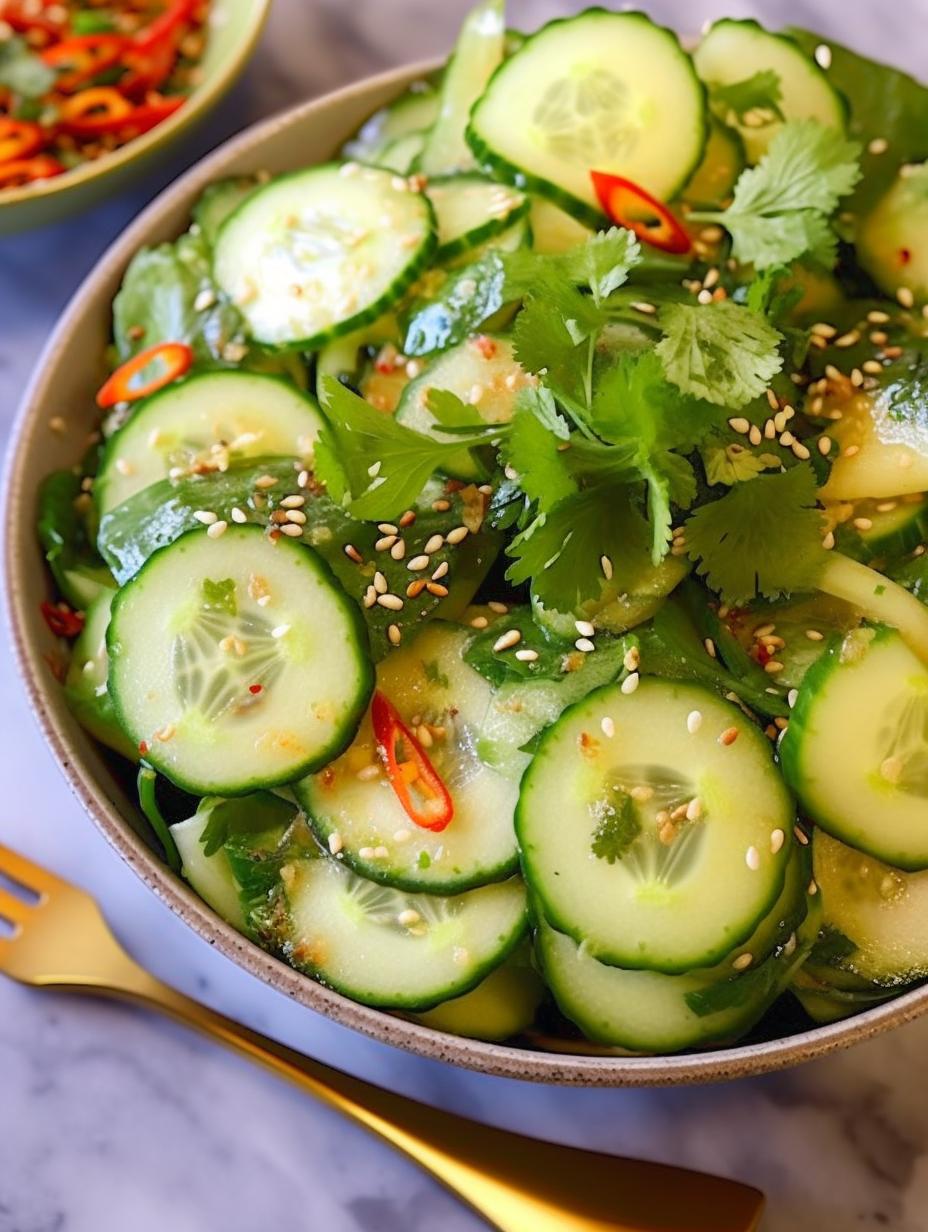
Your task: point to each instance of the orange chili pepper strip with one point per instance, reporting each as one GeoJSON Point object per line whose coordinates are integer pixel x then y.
{"type": "Point", "coordinates": [629, 205]}
{"type": "Point", "coordinates": [173, 358]}
{"type": "Point", "coordinates": [19, 139]}
{"type": "Point", "coordinates": [100, 109]}
{"type": "Point", "coordinates": [418, 785]}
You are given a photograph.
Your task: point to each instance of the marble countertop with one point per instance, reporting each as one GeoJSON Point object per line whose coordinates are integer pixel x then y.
{"type": "Point", "coordinates": [112, 1118]}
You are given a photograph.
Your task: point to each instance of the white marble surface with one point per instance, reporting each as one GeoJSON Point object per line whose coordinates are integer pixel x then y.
{"type": "Point", "coordinates": [113, 1119]}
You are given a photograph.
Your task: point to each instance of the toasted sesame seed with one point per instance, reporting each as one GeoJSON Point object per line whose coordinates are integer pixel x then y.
{"type": "Point", "coordinates": [441, 571]}
{"type": "Point", "coordinates": [479, 622]}
{"type": "Point", "coordinates": [206, 516]}
{"type": "Point", "coordinates": [631, 659]}
{"type": "Point", "coordinates": [526, 655]}
{"type": "Point", "coordinates": [499, 608]}
{"type": "Point", "coordinates": [368, 773]}
{"type": "Point", "coordinates": [507, 640]}
{"type": "Point", "coordinates": [353, 554]}
{"type": "Point", "coordinates": [879, 338]}
{"type": "Point", "coordinates": [458, 535]}
{"type": "Point", "coordinates": [755, 436]}
{"type": "Point", "coordinates": [585, 628]}
{"type": "Point", "coordinates": [398, 550]}
{"type": "Point", "coordinates": [370, 597]}
{"type": "Point", "coordinates": [436, 588]}
{"type": "Point", "coordinates": [694, 721]}
{"type": "Point", "coordinates": [828, 541]}
{"type": "Point", "coordinates": [851, 451]}
{"type": "Point", "coordinates": [709, 645]}
{"type": "Point", "coordinates": [607, 726]}
{"type": "Point", "coordinates": [380, 583]}
{"type": "Point", "coordinates": [801, 837]}
{"type": "Point", "coordinates": [631, 682]}
{"type": "Point", "coordinates": [743, 961]}
{"type": "Point", "coordinates": [879, 145]}
{"type": "Point", "coordinates": [385, 543]}
{"type": "Point", "coordinates": [391, 602]}
{"type": "Point", "coordinates": [694, 809]}
{"type": "Point", "coordinates": [800, 451]}
{"type": "Point", "coordinates": [906, 297]}
{"type": "Point", "coordinates": [777, 839]}
{"type": "Point", "coordinates": [824, 445]}
{"type": "Point", "coordinates": [296, 516]}
{"type": "Point", "coordinates": [291, 530]}
{"type": "Point", "coordinates": [408, 518]}
{"type": "Point", "coordinates": [433, 544]}
{"type": "Point", "coordinates": [823, 56]}
{"type": "Point", "coordinates": [863, 523]}
{"type": "Point", "coordinates": [418, 563]}
{"type": "Point", "coordinates": [772, 666]}
{"type": "Point", "coordinates": [441, 506]}
{"type": "Point", "coordinates": [812, 888]}
{"type": "Point", "coordinates": [265, 481]}
{"type": "Point", "coordinates": [606, 565]}
{"type": "Point", "coordinates": [752, 859]}
{"type": "Point", "coordinates": [394, 635]}
{"type": "Point", "coordinates": [415, 589]}
{"type": "Point", "coordinates": [728, 736]}
{"type": "Point", "coordinates": [740, 424]}
{"type": "Point", "coordinates": [851, 338]}
{"type": "Point", "coordinates": [643, 306]}
{"type": "Point", "coordinates": [335, 842]}
{"type": "Point", "coordinates": [215, 529]}
{"type": "Point", "coordinates": [822, 329]}
{"type": "Point", "coordinates": [584, 645]}
{"type": "Point", "coordinates": [386, 528]}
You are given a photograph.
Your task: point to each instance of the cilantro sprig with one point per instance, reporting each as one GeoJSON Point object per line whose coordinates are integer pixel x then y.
{"type": "Point", "coordinates": [724, 352]}
{"type": "Point", "coordinates": [781, 207]}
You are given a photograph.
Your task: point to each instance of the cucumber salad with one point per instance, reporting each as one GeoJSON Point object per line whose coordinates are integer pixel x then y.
{"type": "Point", "coordinates": [502, 559]}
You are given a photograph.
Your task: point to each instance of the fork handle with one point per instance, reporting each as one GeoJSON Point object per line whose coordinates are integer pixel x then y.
{"type": "Point", "coordinates": [518, 1184]}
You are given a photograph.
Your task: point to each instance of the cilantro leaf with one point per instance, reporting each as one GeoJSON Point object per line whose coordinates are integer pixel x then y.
{"type": "Point", "coordinates": [376, 464]}
{"type": "Point", "coordinates": [531, 449]}
{"type": "Point", "coordinates": [761, 91]}
{"type": "Point", "coordinates": [561, 551]}
{"type": "Point", "coordinates": [616, 832]}
{"type": "Point", "coordinates": [723, 352]}
{"type": "Point", "coordinates": [451, 412]}
{"type": "Point", "coordinates": [22, 71]}
{"type": "Point", "coordinates": [764, 537]}
{"type": "Point", "coordinates": [781, 207]}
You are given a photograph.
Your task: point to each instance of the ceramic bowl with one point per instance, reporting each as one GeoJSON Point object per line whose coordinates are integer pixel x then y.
{"type": "Point", "coordinates": [68, 373]}
{"type": "Point", "coordinates": [233, 29]}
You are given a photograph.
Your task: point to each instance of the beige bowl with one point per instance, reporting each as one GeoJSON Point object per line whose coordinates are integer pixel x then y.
{"type": "Point", "coordinates": [68, 373]}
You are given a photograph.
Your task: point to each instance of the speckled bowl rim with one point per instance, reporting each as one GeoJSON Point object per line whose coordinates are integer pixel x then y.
{"type": "Point", "coordinates": [22, 559]}
{"type": "Point", "coordinates": [201, 99]}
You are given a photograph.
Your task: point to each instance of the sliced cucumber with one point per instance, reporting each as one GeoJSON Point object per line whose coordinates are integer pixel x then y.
{"type": "Point", "coordinates": [619, 608]}
{"type": "Point", "coordinates": [210, 875]}
{"type": "Point", "coordinates": [880, 530]}
{"type": "Point", "coordinates": [502, 1006]}
{"type": "Point", "coordinates": [890, 241]}
{"type": "Point", "coordinates": [733, 51]}
{"type": "Point", "coordinates": [321, 252]}
{"type": "Point", "coordinates": [650, 1012]}
{"type": "Point", "coordinates": [794, 633]}
{"type": "Point", "coordinates": [722, 163]}
{"type": "Point", "coordinates": [85, 686]}
{"type": "Point", "coordinates": [237, 662]}
{"type": "Point", "coordinates": [354, 809]}
{"type": "Point", "coordinates": [878, 453]}
{"type": "Point", "coordinates": [478, 51]}
{"type": "Point", "coordinates": [401, 153]}
{"type": "Point", "coordinates": [605, 91]}
{"type": "Point", "coordinates": [414, 110]}
{"type": "Point", "coordinates": [206, 423]}
{"type": "Point", "coordinates": [369, 361]}
{"type": "Point", "coordinates": [553, 230]}
{"type": "Point", "coordinates": [218, 201]}
{"type": "Point", "coordinates": [881, 910]}
{"type": "Point", "coordinates": [484, 373]}
{"type": "Point", "coordinates": [614, 871]}
{"type": "Point", "coordinates": [470, 209]}
{"type": "Point", "coordinates": [383, 947]}
{"type": "Point", "coordinates": [856, 751]}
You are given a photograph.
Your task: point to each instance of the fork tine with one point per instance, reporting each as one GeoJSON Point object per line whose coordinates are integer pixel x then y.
{"type": "Point", "coordinates": [14, 909]}
{"type": "Point", "coordinates": [30, 875]}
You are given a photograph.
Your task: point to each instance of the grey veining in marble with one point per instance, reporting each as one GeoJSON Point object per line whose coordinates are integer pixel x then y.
{"type": "Point", "coordinates": [112, 1119]}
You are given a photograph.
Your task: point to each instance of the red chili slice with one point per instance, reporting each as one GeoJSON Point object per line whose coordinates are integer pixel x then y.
{"type": "Point", "coordinates": [173, 358]}
{"type": "Point", "coordinates": [19, 139]}
{"type": "Point", "coordinates": [151, 113]}
{"type": "Point", "coordinates": [168, 25]}
{"type": "Point", "coordinates": [77, 60]}
{"type": "Point", "coordinates": [99, 109]}
{"type": "Point", "coordinates": [628, 205]}
{"type": "Point", "coordinates": [26, 170]}
{"type": "Point", "coordinates": [62, 621]}
{"type": "Point", "coordinates": [418, 785]}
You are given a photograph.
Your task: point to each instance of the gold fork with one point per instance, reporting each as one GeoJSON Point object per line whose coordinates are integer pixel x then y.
{"type": "Point", "coordinates": [59, 939]}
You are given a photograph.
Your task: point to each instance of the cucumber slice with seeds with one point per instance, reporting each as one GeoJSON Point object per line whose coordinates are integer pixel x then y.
{"type": "Point", "coordinates": [484, 373]}
{"type": "Point", "coordinates": [877, 530]}
{"type": "Point", "coordinates": [856, 750]}
{"type": "Point", "coordinates": [613, 869]}
{"type": "Point", "coordinates": [354, 810]}
{"type": "Point", "coordinates": [732, 51]}
{"type": "Point", "coordinates": [202, 424]}
{"type": "Point", "coordinates": [319, 253]}
{"type": "Point", "coordinates": [470, 209]}
{"type": "Point", "coordinates": [236, 662]}
{"type": "Point", "coordinates": [607, 91]}
{"type": "Point", "coordinates": [502, 1006]}
{"type": "Point", "coordinates": [383, 947]}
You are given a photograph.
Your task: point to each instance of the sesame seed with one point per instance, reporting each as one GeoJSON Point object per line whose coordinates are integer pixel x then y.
{"type": "Point", "coordinates": [291, 530]}
{"type": "Point", "coordinates": [215, 529]}
{"type": "Point", "coordinates": [851, 338]}
{"type": "Point", "coordinates": [777, 839]}
{"type": "Point", "coordinates": [415, 589]}
{"type": "Point", "coordinates": [394, 635]}
{"type": "Point", "coordinates": [710, 647]}
{"type": "Point", "coordinates": [499, 608]}
{"type": "Point", "coordinates": [335, 842]}
{"type": "Point", "coordinates": [384, 544]}
{"type": "Point", "coordinates": [704, 297]}
{"type": "Point", "coordinates": [458, 535]}
{"type": "Point", "coordinates": [851, 452]}
{"type": "Point", "coordinates": [763, 631]}
{"type": "Point", "coordinates": [755, 435]}
{"type": "Point", "coordinates": [391, 602]}
{"type": "Point", "coordinates": [863, 523]}
{"type": "Point", "coordinates": [728, 736]}
{"type": "Point", "coordinates": [366, 853]}
{"type": "Point", "coordinates": [891, 769]}
{"type": "Point", "coordinates": [280, 631]}
{"type": "Point", "coordinates": [879, 338]}
{"type": "Point", "coordinates": [206, 516]}
{"type": "Point", "coordinates": [418, 563]}
{"type": "Point", "coordinates": [370, 597]}
{"type": "Point", "coordinates": [296, 516]}
{"type": "Point", "coordinates": [812, 888]}
{"type": "Point", "coordinates": [302, 479]}
{"type": "Point", "coordinates": [433, 544]}
{"type": "Point", "coordinates": [752, 859]}
{"type": "Point", "coordinates": [402, 836]}
{"type": "Point", "coordinates": [740, 424]}
{"type": "Point", "coordinates": [823, 56]}
{"type": "Point", "coordinates": [440, 572]}
{"type": "Point", "coordinates": [606, 565]}
{"type": "Point", "coordinates": [878, 317]}
{"type": "Point", "coordinates": [380, 583]}
{"type": "Point", "coordinates": [631, 659]}
{"type": "Point", "coordinates": [510, 638]}
{"type": "Point", "coordinates": [584, 645]}
{"type": "Point", "coordinates": [792, 697]}
{"type": "Point", "coordinates": [770, 429]}
{"type": "Point", "coordinates": [694, 721]}
{"type": "Point", "coordinates": [643, 306]}
{"type": "Point", "coordinates": [265, 481]}
{"type": "Point", "coordinates": [526, 655]}
{"type": "Point", "coordinates": [800, 451]}
{"type": "Point", "coordinates": [436, 588]}
{"type": "Point", "coordinates": [787, 439]}
{"type": "Point", "coordinates": [772, 666]}
{"type": "Point", "coordinates": [824, 445]}
{"type": "Point", "coordinates": [801, 837]}
{"type": "Point", "coordinates": [879, 145]}
{"type": "Point", "coordinates": [585, 628]}
{"type": "Point", "coordinates": [479, 622]}
{"type": "Point", "coordinates": [607, 726]}
{"type": "Point", "coordinates": [386, 528]}
{"type": "Point", "coordinates": [828, 542]}
{"type": "Point", "coordinates": [630, 683]}
{"type": "Point", "coordinates": [398, 551]}
{"type": "Point", "coordinates": [441, 506]}
{"type": "Point", "coordinates": [642, 793]}
{"type": "Point", "coordinates": [368, 773]}
{"type": "Point", "coordinates": [743, 961]}
{"type": "Point", "coordinates": [821, 329]}
{"type": "Point", "coordinates": [408, 917]}
{"type": "Point", "coordinates": [353, 554]}
{"type": "Point", "coordinates": [693, 809]}
{"type": "Point", "coordinates": [408, 518]}
{"type": "Point", "coordinates": [906, 297]}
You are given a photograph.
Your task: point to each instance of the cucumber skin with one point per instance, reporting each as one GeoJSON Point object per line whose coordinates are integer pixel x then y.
{"type": "Point", "coordinates": [790, 752]}
{"type": "Point", "coordinates": [415, 266]}
{"type": "Point", "coordinates": [504, 170]}
{"type": "Point", "coordinates": [711, 959]}
{"type": "Point", "coordinates": [487, 231]}
{"type": "Point", "coordinates": [352, 615]}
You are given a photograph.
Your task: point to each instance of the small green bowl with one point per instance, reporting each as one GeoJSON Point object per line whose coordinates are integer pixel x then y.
{"type": "Point", "coordinates": [233, 29]}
